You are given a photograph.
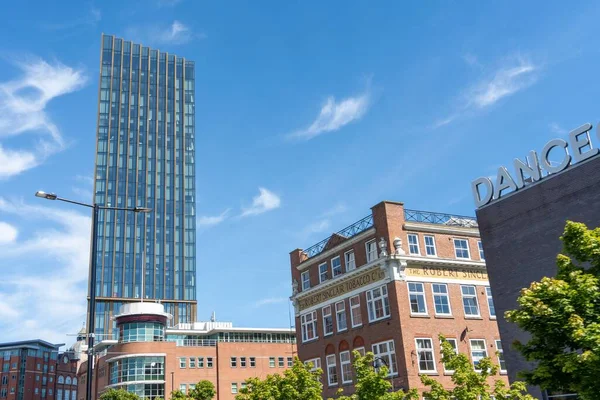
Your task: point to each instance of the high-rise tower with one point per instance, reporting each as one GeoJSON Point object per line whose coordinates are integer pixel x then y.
{"type": "Point", "coordinates": [145, 157]}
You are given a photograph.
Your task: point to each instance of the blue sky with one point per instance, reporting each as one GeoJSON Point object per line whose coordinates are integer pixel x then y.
{"type": "Point", "coordinates": [308, 113]}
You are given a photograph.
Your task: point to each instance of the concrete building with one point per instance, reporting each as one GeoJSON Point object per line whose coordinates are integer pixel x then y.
{"type": "Point", "coordinates": [36, 370]}
{"type": "Point", "coordinates": [145, 157]}
{"type": "Point", "coordinates": [520, 234]}
{"type": "Point", "coordinates": [151, 359]}
{"type": "Point", "coordinates": [391, 283]}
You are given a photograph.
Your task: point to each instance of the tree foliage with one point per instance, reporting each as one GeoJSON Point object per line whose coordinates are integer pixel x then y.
{"type": "Point", "coordinates": [204, 390]}
{"type": "Point", "coordinates": [470, 383]}
{"type": "Point", "coordinates": [562, 315]}
{"type": "Point", "coordinates": [178, 395]}
{"type": "Point", "coordinates": [296, 383]}
{"type": "Point", "coordinates": [118, 394]}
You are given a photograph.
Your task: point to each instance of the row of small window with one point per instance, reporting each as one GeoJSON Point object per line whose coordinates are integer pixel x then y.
{"type": "Point", "coordinates": [68, 394]}
{"type": "Point", "coordinates": [378, 308]}
{"type": "Point", "coordinates": [385, 351]}
{"type": "Point", "coordinates": [325, 272]}
{"type": "Point", "coordinates": [234, 387]}
{"type": "Point", "coordinates": [195, 362]}
{"type": "Point", "coordinates": [60, 380]}
{"type": "Point", "coordinates": [7, 366]}
{"type": "Point", "coordinates": [461, 247]}
{"type": "Point", "coordinates": [441, 300]}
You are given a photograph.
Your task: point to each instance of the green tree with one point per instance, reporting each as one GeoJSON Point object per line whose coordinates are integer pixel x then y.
{"type": "Point", "coordinates": [204, 390]}
{"type": "Point", "coordinates": [118, 394]}
{"type": "Point", "coordinates": [373, 383]}
{"type": "Point", "coordinates": [296, 383]}
{"type": "Point", "coordinates": [470, 383]}
{"type": "Point", "coordinates": [178, 395]}
{"type": "Point", "coordinates": [562, 315]}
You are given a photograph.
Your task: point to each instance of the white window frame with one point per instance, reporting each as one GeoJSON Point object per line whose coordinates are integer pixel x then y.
{"type": "Point", "coordinates": [182, 363]}
{"type": "Point", "coordinates": [387, 355]}
{"type": "Point", "coordinates": [413, 248]}
{"type": "Point", "coordinates": [323, 272]}
{"type": "Point", "coordinates": [346, 366]}
{"type": "Point", "coordinates": [361, 350]}
{"type": "Point", "coordinates": [242, 362]}
{"type": "Point", "coordinates": [480, 248]}
{"type": "Point", "coordinates": [484, 350]}
{"type": "Point", "coordinates": [305, 278]}
{"type": "Point", "coordinates": [499, 355]}
{"type": "Point", "coordinates": [433, 246]}
{"type": "Point", "coordinates": [340, 315]}
{"type": "Point", "coordinates": [325, 332]}
{"type": "Point", "coordinates": [209, 362]}
{"type": "Point", "coordinates": [192, 362]}
{"type": "Point", "coordinates": [422, 294]}
{"type": "Point", "coordinates": [183, 388]}
{"type": "Point", "coordinates": [350, 263]}
{"type": "Point", "coordinates": [316, 363]}
{"type": "Point", "coordinates": [372, 300]}
{"type": "Point", "coordinates": [233, 362]}
{"type": "Point", "coordinates": [200, 362]}
{"type": "Point", "coordinates": [272, 362]}
{"type": "Point", "coordinates": [428, 350]}
{"type": "Point", "coordinates": [328, 359]}
{"type": "Point", "coordinates": [371, 256]}
{"type": "Point", "coordinates": [455, 240]}
{"type": "Point", "coordinates": [463, 296]}
{"type": "Point", "coordinates": [252, 362]}
{"type": "Point", "coordinates": [451, 340]}
{"type": "Point", "coordinates": [234, 388]}
{"type": "Point", "coordinates": [446, 295]}
{"type": "Point", "coordinates": [490, 302]}
{"type": "Point", "coordinates": [355, 307]}
{"type": "Point", "coordinates": [280, 362]}
{"type": "Point", "coordinates": [305, 324]}
{"type": "Point", "coordinates": [339, 260]}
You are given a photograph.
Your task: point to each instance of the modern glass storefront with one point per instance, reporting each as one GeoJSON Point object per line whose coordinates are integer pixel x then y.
{"type": "Point", "coordinates": [141, 332]}
{"type": "Point", "coordinates": [146, 374]}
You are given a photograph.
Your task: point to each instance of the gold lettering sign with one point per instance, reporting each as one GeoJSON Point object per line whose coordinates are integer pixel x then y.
{"type": "Point", "coordinates": [448, 273]}
{"type": "Point", "coordinates": [342, 288]}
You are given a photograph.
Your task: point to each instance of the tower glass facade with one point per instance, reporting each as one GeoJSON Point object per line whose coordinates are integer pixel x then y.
{"type": "Point", "coordinates": [145, 157]}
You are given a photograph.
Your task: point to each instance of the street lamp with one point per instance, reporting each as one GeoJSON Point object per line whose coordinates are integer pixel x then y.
{"type": "Point", "coordinates": [92, 287]}
{"type": "Point", "coordinates": [378, 362]}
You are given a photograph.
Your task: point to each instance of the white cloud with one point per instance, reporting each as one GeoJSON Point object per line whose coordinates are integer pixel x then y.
{"type": "Point", "coordinates": [91, 19]}
{"type": "Point", "coordinates": [265, 201]}
{"type": "Point", "coordinates": [22, 109]}
{"type": "Point", "coordinates": [471, 59]}
{"type": "Point", "coordinates": [50, 284]}
{"type": "Point", "coordinates": [317, 227]}
{"type": "Point", "coordinates": [504, 82]}
{"type": "Point", "coordinates": [175, 33]}
{"type": "Point", "coordinates": [339, 208]}
{"type": "Point", "coordinates": [212, 220]}
{"type": "Point", "coordinates": [335, 115]}
{"type": "Point", "coordinates": [8, 233]}
{"type": "Point", "coordinates": [557, 129]}
{"type": "Point", "coordinates": [83, 189]}
{"type": "Point", "coordinates": [269, 300]}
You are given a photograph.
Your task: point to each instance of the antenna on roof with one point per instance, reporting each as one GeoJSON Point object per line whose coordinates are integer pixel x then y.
{"type": "Point", "coordinates": [213, 317]}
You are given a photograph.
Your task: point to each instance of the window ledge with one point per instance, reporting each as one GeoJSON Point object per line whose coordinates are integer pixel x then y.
{"type": "Point", "coordinates": [311, 340]}
{"type": "Point", "coordinates": [472, 317]}
{"type": "Point", "coordinates": [444, 316]}
{"type": "Point", "coordinates": [420, 316]}
{"type": "Point", "coordinates": [430, 373]}
{"type": "Point", "coordinates": [380, 320]}
{"type": "Point", "coordinates": [493, 318]}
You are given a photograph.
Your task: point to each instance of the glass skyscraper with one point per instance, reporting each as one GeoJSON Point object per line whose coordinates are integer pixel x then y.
{"type": "Point", "coordinates": [145, 157]}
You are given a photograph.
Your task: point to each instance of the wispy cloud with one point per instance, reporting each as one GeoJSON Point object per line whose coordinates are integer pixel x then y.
{"type": "Point", "coordinates": [167, 3]}
{"type": "Point", "coordinates": [90, 18]}
{"type": "Point", "coordinates": [335, 115]}
{"type": "Point", "coordinates": [339, 208]}
{"type": "Point", "coordinates": [49, 301]}
{"type": "Point", "coordinates": [212, 220]}
{"type": "Point", "coordinates": [471, 60]}
{"type": "Point", "coordinates": [83, 189]}
{"type": "Point", "coordinates": [176, 33]}
{"type": "Point", "coordinates": [22, 109]}
{"type": "Point", "coordinates": [511, 78]}
{"type": "Point", "coordinates": [557, 129]}
{"type": "Point", "coordinates": [263, 202]}
{"type": "Point", "coordinates": [269, 300]}
{"type": "Point", "coordinates": [8, 233]}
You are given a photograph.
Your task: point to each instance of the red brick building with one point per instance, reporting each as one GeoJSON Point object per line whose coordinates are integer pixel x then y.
{"type": "Point", "coordinates": [36, 370]}
{"type": "Point", "coordinates": [391, 283]}
{"type": "Point", "coordinates": [151, 359]}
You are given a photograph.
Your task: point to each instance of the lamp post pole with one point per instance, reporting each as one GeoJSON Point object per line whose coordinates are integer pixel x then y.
{"type": "Point", "coordinates": [92, 286]}
{"type": "Point", "coordinates": [378, 364]}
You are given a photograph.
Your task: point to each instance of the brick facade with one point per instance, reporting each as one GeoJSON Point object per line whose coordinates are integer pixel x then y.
{"type": "Point", "coordinates": [394, 271]}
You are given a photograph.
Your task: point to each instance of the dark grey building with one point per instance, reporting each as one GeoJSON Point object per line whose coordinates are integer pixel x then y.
{"type": "Point", "coordinates": [520, 234]}
{"type": "Point", "coordinates": [145, 157]}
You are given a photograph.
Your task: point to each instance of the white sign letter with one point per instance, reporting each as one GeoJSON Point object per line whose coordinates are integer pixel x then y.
{"type": "Point", "coordinates": [476, 184]}
{"type": "Point", "coordinates": [531, 167]}
{"type": "Point", "coordinates": [546, 152]}
{"type": "Point", "coordinates": [579, 139]}
{"type": "Point", "coordinates": [503, 181]}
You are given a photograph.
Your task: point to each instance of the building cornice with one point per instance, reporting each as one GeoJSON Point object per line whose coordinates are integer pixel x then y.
{"type": "Point", "coordinates": [361, 236]}
{"type": "Point", "coordinates": [133, 355]}
{"type": "Point", "coordinates": [445, 229]}
{"type": "Point", "coordinates": [449, 262]}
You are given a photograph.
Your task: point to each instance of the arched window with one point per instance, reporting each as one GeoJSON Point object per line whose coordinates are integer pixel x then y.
{"type": "Point", "coordinates": [74, 381]}
{"type": "Point", "coordinates": [68, 380]}
{"type": "Point", "coordinates": [61, 379]}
